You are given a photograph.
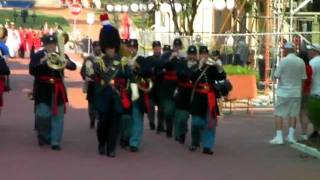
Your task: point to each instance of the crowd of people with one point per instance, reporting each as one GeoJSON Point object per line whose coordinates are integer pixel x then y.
{"type": "Point", "coordinates": [171, 87]}
{"type": "Point", "coordinates": [298, 92]}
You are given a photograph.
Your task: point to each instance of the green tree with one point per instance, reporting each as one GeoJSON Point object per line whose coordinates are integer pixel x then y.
{"type": "Point", "coordinates": [186, 16]}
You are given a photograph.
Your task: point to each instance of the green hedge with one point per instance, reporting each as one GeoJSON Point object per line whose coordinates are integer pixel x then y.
{"type": "Point", "coordinates": [7, 15]}
{"type": "Point", "coordinates": [240, 70]}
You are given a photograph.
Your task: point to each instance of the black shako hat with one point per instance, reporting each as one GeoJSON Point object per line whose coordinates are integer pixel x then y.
{"type": "Point", "coordinates": [49, 39]}
{"type": "Point", "coordinates": [177, 42]}
{"type": "Point", "coordinates": [203, 50]}
{"type": "Point", "coordinates": [192, 50]}
{"type": "Point", "coordinates": [166, 48]}
{"type": "Point", "coordinates": [156, 44]}
{"type": "Point", "coordinates": [133, 43]}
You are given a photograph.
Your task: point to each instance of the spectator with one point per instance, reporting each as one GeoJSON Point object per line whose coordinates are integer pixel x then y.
{"type": "Point", "coordinates": [290, 73]}
{"type": "Point", "coordinates": [305, 95]}
{"type": "Point", "coordinates": [314, 99]}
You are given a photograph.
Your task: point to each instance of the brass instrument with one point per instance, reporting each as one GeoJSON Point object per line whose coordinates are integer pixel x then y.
{"type": "Point", "coordinates": [210, 62]}
{"type": "Point", "coordinates": [57, 61]}
{"type": "Point", "coordinates": [142, 82]}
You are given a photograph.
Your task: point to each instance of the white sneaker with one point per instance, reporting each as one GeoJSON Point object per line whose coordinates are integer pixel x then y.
{"type": "Point", "coordinates": [276, 140]}
{"type": "Point", "coordinates": [291, 140]}
{"type": "Point", "coordinates": [304, 137]}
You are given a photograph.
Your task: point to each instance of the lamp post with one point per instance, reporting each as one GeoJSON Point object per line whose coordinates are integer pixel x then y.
{"type": "Point", "coordinates": [126, 8]}
{"type": "Point", "coordinates": [90, 21]}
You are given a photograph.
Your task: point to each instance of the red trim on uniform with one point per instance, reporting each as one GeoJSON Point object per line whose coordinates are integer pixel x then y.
{"type": "Point", "coordinates": [206, 88]}
{"type": "Point", "coordinates": [185, 85]}
{"type": "Point", "coordinates": [170, 76]}
{"type": "Point", "coordinates": [146, 97]}
{"type": "Point", "coordinates": [121, 83]}
{"type": "Point", "coordinates": [58, 88]}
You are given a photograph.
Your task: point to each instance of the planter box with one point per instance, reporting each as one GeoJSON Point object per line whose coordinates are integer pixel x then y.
{"type": "Point", "coordinates": [244, 87]}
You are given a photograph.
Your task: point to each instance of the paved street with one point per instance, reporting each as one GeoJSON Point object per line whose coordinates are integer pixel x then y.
{"type": "Point", "coordinates": [242, 151]}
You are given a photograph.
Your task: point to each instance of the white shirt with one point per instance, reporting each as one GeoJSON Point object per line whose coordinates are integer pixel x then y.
{"type": "Point", "coordinates": [315, 85]}
{"type": "Point", "coordinates": [290, 72]}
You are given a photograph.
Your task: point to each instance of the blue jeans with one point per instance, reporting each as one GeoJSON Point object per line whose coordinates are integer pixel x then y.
{"type": "Point", "coordinates": [201, 133]}
{"type": "Point", "coordinates": [137, 125]}
{"type": "Point", "coordinates": [50, 128]}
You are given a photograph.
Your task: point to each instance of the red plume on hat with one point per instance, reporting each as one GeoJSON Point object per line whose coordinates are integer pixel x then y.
{"type": "Point", "coordinates": [104, 18]}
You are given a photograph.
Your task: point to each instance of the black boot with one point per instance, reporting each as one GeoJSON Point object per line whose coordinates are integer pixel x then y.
{"type": "Point", "coordinates": [111, 154]}
{"type": "Point", "coordinates": [152, 126]}
{"type": "Point", "coordinates": [101, 149]}
{"type": "Point", "coordinates": [207, 151]}
{"type": "Point", "coordinates": [92, 125]}
{"type": "Point", "coordinates": [193, 148]}
{"type": "Point", "coordinates": [182, 139]}
{"type": "Point", "coordinates": [124, 143]}
{"type": "Point", "coordinates": [56, 148]}
{"type": "Point", "coordinates": [134, 149]}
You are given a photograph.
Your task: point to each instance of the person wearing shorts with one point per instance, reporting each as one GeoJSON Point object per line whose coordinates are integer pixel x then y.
{"type": "Point", "coordinates": [290, 75]}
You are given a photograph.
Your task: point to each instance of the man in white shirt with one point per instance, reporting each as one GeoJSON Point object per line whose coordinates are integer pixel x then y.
{"type": "Point", "coordinates": [290, 74]}
{"type": "Point", "coordinates": [313, 104]}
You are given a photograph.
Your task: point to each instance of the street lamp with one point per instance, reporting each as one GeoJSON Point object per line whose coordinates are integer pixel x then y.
{"type": "Point", "coordinates": [230, 4]}
{"type": "Point", "coordinates": [110, 8]}
{"type": "Point", "coordinates": [222, 4]}
{"type": "Point", "coordinates": [134, 7]}
{"type": "Point", "coordinates": [90, 21]}
{"type": "Point", "coordinates": [118, 8]}
{"type": "Point", "coordinates": [125, 8]}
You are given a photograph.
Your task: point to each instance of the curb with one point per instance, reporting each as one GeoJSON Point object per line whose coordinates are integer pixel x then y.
{"type": "Point", "coordinates": [306, 149]}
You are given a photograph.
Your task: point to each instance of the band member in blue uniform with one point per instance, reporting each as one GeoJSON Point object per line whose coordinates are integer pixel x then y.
{"type": "Point", "coordinates": [154, 99]}
{"type": "Point", "coordinates": [50, 94]}
{"type": "Point", "coordinates": [185, 71]}
{"type": "Point", "coordinates": [204, 108]}
{"type": "Point", "coordinates": [142, 72]}
{"type": "Point", "coordinates": [86, 72]}
{"type": "Point", "coordinates": [170, 61]}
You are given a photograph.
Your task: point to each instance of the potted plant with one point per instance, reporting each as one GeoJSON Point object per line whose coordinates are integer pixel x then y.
{"type": "Point", "coordinates": [244, 82]}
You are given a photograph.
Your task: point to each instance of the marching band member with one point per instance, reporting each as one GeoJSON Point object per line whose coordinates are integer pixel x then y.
{"type": "Point", "coordinates": [86, 73]}
{"type": "Point", "coordinates": [50, 94]}
{"type": "Point", "coordinates": [184, 73]}
{"type": "Point", "coordinates": [169, 84]}
{"type": "Point", "coordinates": [204, 106]}
{"type": "Point", "coordinates": [142, 72]}
{"type": "Point", "coordinates": [156, 47]}
{"type": "Point", "coordinates": [106, 97]}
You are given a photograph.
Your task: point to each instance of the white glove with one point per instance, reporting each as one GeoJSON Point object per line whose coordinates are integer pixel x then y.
{"type": "Point", "coordinates": [134, 91]}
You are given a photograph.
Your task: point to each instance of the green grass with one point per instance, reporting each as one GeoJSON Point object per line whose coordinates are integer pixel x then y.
{"type": "Point", "coordinates": [7, 15]}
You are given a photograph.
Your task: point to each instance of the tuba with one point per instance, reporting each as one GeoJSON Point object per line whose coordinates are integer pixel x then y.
{"type": "Point", "coordinates": [57, 61]}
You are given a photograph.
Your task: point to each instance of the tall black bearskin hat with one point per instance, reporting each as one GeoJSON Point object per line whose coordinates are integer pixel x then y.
{"type": "Point", "coordinates": [192, 50]}
{"type": "Point", "coordinates": [109, 36]}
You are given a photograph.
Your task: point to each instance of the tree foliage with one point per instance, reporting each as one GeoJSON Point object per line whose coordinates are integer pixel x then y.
{"type": "Point", "coordinates": [183, 21]}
